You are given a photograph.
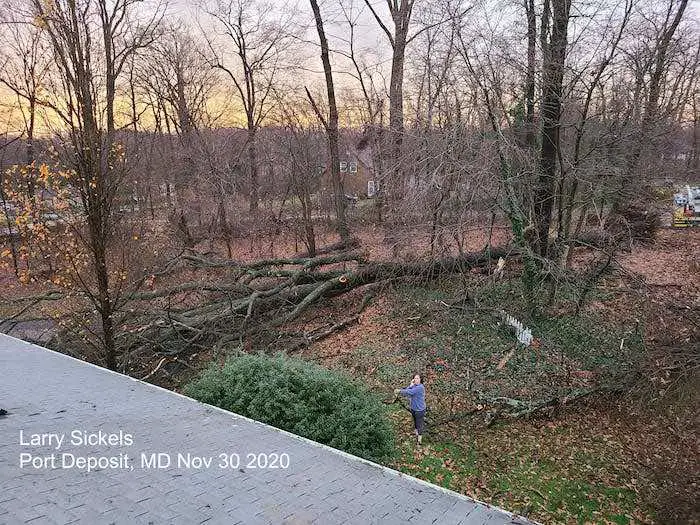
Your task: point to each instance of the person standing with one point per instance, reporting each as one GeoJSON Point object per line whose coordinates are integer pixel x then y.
{"type": "Point", "coordinates": [416, 392]}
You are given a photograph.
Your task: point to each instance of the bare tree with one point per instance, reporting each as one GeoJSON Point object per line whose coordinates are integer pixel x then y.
{"type": "Point", "coordinates": [554, 54]}
{"type": "Point", "coordinates": [567, 199]}
{"type": "Point", "coordinates": [657, 68]}
{"type": "Point", "coordinates": [331, 126]}
{"type": "Point", "coordinates": [401, 13]}
{"type": "Point", "coordinates": [255, 35]}
{"type": "Point", "coordinates": [302, 144]}
{"type": "Point", "coordinates": [92, 153]}
{"type": "Point", "coordinates": [24, 64]}
{"type": "Point", "coordinates": [178, 82]}
{"type": "Point", "coordinates": [23, 72]}
{"type": "Point", "coordinates": [531, 16]}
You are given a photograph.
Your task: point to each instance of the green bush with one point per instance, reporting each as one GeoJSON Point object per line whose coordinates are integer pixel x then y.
{"type": "Point", "coordinates": [302, 398]}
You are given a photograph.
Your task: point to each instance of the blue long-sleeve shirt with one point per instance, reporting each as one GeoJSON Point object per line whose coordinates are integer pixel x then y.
{"type": "Point", "coordinates": [417, 395]}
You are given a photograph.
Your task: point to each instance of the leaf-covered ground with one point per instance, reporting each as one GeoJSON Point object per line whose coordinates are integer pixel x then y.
{"type": "Point", "coordinates": [592, 466]}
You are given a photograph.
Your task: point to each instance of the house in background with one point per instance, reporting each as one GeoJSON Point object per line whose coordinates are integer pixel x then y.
{"type": "Point", "coordinates": [357, 174]}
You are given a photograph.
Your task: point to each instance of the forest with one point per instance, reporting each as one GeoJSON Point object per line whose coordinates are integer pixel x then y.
{"type": "Point", "coordinates": [481, 191]}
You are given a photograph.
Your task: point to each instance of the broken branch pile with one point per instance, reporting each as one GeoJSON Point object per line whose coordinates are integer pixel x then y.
{"type": "Point", "coordinates": [246, 301]}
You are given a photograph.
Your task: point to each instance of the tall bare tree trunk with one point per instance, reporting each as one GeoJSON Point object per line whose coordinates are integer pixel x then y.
{"type": "Point", "coordinates": [396, 122]}
{"type": "Point", "coordinates": [552, 80]}
{"type": "Point", "coordinates": [331, 126]}
{"type": "Point", "coordinates": [105, 305]}
{"type": "Point", "coordinates": [530, 75]}
{"type": "Point", "coordinates": [401, 12]}
{"type": "Point", "coordinates": [253, 162]}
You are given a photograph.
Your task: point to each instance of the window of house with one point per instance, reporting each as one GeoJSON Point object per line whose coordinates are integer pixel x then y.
{"type": "Point", "coordinates": [353, 167]}
{"type": "Point", "coordinates": [343, 167]}
{"type": "Point", "coordinates": [371, 189]}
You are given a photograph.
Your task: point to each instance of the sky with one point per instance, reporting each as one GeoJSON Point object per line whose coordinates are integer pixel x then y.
{"type": "Point", "coordinates": [306, 57]}
{"type": "Point", "coordinates": [370, 41]}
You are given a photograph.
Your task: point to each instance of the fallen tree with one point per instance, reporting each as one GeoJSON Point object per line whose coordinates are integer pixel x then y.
{"type": "Point", "coordinates": [488, 409]}
{"type": "Point", "coordinates": [248, 301]}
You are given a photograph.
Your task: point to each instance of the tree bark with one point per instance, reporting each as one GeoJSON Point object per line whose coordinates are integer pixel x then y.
{"type": "Point", "coordinates": [396, 125]}
{"type": "Point", "coordinates": [553, 74]}
{"type": "Point", "coordinates": [530, 75]}
{"type": "Point", "coordinates": [253, 161]}
{"type": "Point", "coordinates": [331, 126]}
{"type": "Point", "coordinates": [401, 12]}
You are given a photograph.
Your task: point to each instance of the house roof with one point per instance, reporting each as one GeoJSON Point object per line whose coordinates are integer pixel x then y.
{"type": "Point", "coordinates": [45, 392]}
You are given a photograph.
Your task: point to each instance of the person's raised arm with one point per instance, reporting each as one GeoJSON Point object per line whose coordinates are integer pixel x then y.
{"type": "Point", "coordinates": [409, 390]}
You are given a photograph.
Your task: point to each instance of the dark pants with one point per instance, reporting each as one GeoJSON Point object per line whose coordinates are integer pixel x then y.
{"type": "Point", "coordinates": [418, 420]}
